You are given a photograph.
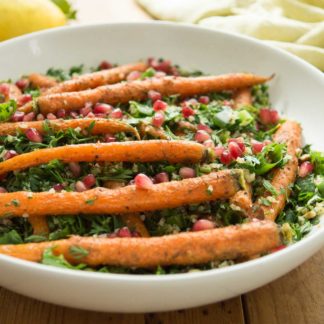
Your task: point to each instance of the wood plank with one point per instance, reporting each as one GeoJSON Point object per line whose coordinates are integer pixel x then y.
{"type": "Point", "coordinates": [298, 297]}
{"type": "Point", "coordinates": [227, 312]}
{"type": "Point", "coordinates": [17, 309]}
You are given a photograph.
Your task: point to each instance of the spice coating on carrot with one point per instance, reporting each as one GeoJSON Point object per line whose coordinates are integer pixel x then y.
{"type": "Point", "coordinates": [230, 242]}
{"type": "Point", "coordinates": [96, 79]}
{"type": "Point", "coordinates": [132, 151]}
{"type": "Point", "coordinates": [290, 134]}
{"type": "Point", "coordinates": [97, 125]}
{"type": "Point", "coordinates": [219, 185]}
{"type": "Point", "coordinates": [41, 81]}
{"type": "Point", "coordinates": [138, 90]}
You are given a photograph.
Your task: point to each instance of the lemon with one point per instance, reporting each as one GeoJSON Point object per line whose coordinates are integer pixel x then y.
{"type": "Point", "coordinates": [19, 17]}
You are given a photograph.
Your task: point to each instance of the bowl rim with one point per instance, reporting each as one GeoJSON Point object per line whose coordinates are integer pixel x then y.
{"type": "Point", "coordinates": [251, 264]}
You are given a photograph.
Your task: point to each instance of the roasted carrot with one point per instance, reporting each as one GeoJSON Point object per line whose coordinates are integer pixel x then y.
{"type": "Point", "coordinates": [220, 185]}
{"type": "Point", "coordinates": [243, 199]}
{"type": "Point", "coordinates": [97, 126]}
{"type": "Point", "coordinates": [133, 221]}
{"type": "Point", "coordinates": [132, 151]}
{"type": "Point", "coordinates": [138, 90]}
{"type": "Point", "coordinates": [39, 225]}
{"type": "Point", "coordinates": [188, 248]}
{"type": "Point", "coordinates": [289, 133]}
{"type": "Point", "coordinates": [150, 130]}
{"type": "Point", "coordinates": [41, 81]}
{"type": "Point", "coordinates": [242, 97]}
{"type": "Point", "coordinates": [96, 79]}
{"type": "Point", "coordinates": [12, 93]}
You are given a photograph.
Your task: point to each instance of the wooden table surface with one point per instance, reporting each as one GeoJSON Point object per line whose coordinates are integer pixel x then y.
{"type": "Point", "coordinates": [296, 298]}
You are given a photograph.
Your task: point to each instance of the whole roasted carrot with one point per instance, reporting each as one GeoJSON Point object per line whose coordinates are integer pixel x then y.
{"type": "Point", "coordinates": [242, 97]}
{"type": "Point", "coordinates": [96, 79]}
{"type": "Point", "coordinates": [96, 126]}
{"type": "Point", "coordinates": [290, 134]}
{"type": "Point", "coordinates": [188, 248]}
{"type": "Point", "coordinates": [138, 90]}
{"type": "Point", "coordinates": [41, 81]}
{"type": "Point", "coordinates": [125, 200]}
{"type": "Point", "coordinates": [132, 151]}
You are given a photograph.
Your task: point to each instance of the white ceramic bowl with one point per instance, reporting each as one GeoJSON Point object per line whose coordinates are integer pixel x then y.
{"type": "Point", "coordinates": [297, 91]}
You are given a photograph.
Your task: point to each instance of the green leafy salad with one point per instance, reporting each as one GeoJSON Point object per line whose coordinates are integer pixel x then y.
{"type": "Point", "coordinates": [235, 133]}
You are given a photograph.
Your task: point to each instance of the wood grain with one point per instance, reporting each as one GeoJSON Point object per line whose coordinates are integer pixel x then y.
{"type": "Point", "coordinates": [296, 298]}
{"type": "Point", "coordinates": [227, 312]}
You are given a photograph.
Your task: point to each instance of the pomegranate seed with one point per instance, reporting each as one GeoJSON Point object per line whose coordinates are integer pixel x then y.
{"type": "Point", "coordinates": [29, 117]}
{"type": "Point", "coordinates": [186, 173]}
{"type": "Point", "coordinates": [226, 157]}
{"type": "Point", "coordinates": [102, 108]}
{"type": "Point", "coordinates": [134, 75]}
{"type": "Point", "coordinates": [4, 89]}
{"type": "Point", "coordinates": [239, 141]}
{"type": "Point", "coordinates": [257, 147]}
{"type": "Point", "coordinates": [18, 116]}
{"type": "Point", "coordinates": [159, 105]}
{"type": "Point", "coordinates": [136, 234]}
{"type": "Point", "coordinates": [204, 128]}
{"type": "Point", "coordinates": [219, 151]}
{"type": "Point", "coordinates": [154, 95]}
{"type": "Point", "coordinates": [10, 154]}
{"type": "Point", "coordinates": [61, 113]}
{"type": "Point", "coordinates": [305, 169]}
{"type": "Point", "coordinates": [124, 232]}
{"type": "Point", "coordinates": [158, 119]}
{"type": "Point", "coordinates": [40, 117]}
{"type": "Point", "coordinates": [142, 181]}
{"type": "Point", "coordinates": [75, 168]}
{"type": "Point", "coordinates": [201, 136]}
{"type": "Point", "coordinates": [202, 225]}
{"type": "Point", "coordinates": [89, 180]}
{"type": "Point", "coordinates": [209, 143]}
{"type": "Point", "coordinates": [74, 114]}
{"type": "Point", "coordinates": [22, 84]}
{"type": "Point", "coordinates": [116, 113]}
{"type": "Point", "coordinates": [33, 135]}
{"type": "Point", "coordinates": [51, 116]}
{"type": "Point", "coordinates": [105, 65]}
{"type": "Point", "coordinates": [187, 111]}
{"type": "Point", "coordinates": [85, 110]}
{"type": "Point", "coordinates": [58, 187]}
{"type": "Point", "coordinates": [268, 116]}
{"type": "Point", "coordinates": [234, 150]}
{"type": "Point", "coordinates": [80, 186]}
{"type": "Point", "coordinates": [109, 138]}
{"type": "Point", "coordinates": [204, 100]}
{"type": "Point", "coordinates": [164, 66]}
{"type": "Point", "coordinates": [278, 248]}
{"type": "Point", "coordinates": [3, 190]}
{"type": "Point", "coordinates": [161, 177]}
{"type": "Point", "coordinates": [23, 99]}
